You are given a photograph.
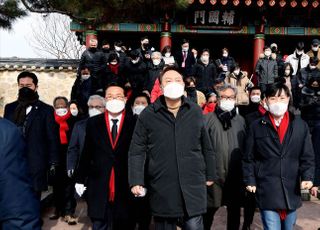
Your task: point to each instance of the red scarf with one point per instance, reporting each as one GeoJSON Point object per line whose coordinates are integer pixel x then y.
{"type": "Point", "coordinates": [114, 68]}
{"type": "Point", "coordinates": [262, 110]}
{"type": "Point", "coordinates": [209, 108]}
{"type": "Point", "coordinates": [63, 127]}
{"type": "Point", "coordinates": [282, 129]}
{"type": "Point", "coordinates": [112, 186]}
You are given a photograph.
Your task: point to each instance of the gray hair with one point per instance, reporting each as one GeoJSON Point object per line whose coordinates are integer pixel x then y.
{"type": "Point", "coordinates": [156, 53]}
{"type": "Point", "coordinates": [96, 97]}
{"type": "Point", "coordinates": [226, 86]}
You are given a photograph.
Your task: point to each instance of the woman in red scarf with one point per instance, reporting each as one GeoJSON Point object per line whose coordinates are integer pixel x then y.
{"type": "Point", "coordinates": [63, 187]}
{"type": "Point", "coordinates": [279, 154]}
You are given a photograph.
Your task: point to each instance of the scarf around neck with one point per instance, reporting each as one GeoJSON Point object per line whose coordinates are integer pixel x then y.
{"type": "Point", "coordinates": [225, 117]}
{"type": "Point", "coordinates": [63, 127]}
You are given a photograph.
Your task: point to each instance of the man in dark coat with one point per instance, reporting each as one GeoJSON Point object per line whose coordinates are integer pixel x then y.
{"type": "Point", "coordinates": [36, 121]}
{"type": "Point", "coordinates": [184, 58]}
{"type": "Point", "coordinates": [154, 69]}
{"type": "Point", "coordinates": [135, 72]}
{"type": "Point", "coordinates": [171, 156]}
{"type": "Point", "coordinates": [19, 206]}
{"type": "Point", "coordinates": [205, 72]}
{"type": "Point", "coordinates": [266, 69]}
{"type": "Point", "coordinates": [104, 164]}
{"type": "Point", "coordinates": [227, 132]}
{"type": "Point", "coordinates": [95, 60]}
{"type": "Point", "coordinates": [278, 155]}
{"type": "Point", "coordinates": [96, 106]}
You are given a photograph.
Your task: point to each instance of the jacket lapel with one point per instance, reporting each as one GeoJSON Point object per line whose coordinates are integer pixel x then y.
{"type": "Point", "coordinates": [31, 116]}
{"type": "Point", "coordinates": [108, 127]}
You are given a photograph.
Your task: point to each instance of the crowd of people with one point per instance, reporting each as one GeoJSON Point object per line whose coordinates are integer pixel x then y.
{"type": "Point", "coordinates": [168, 138]}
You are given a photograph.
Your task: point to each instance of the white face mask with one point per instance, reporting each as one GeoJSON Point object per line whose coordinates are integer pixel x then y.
{"type": "Point", "coordinates": [205, 58]}
{"type": "Point", "coordinates": [255, 98]}
{"type": "Point", "coordinates": [287, 72]}
{"type": "Point", "coordinates": [267, 53]}
{"type": "Point", "coordinates": [94, 112]}
{"type": "Point", "coordinates": [74, 112]}
{"type": "Point", "coordinates": [135, 61]}
{"type": "Point", "coordinates": [167, 55]}
{"type": "Point", "coordinates": [185, 49]}
{"type": "Point", "coordinates": [137, 109]}
{"type": "Point", "coordinates": [278, 108]}
{"type": "Point", "coordinates": [315, 48]}
{"type": "Point", "coordinates": [115, 106]}
{"type": "Point", "coordinates": [117, 48]}
{"type": "Point", "coordinates": [312, 66]}
{"type": "Point", "coordinates": [156, 61]}
{"type": "Point", "coordinates": [236, 72]}
{"type": "Point", "coordinates": [224, 55]}
{"type": "Point", "coordinates": [113, 63]}
{"type": "Point", "coordinates": [173, 90]}
{"type": "Point", "coordinates": [85, 76]}
{"type": "Point", "coordinates": [61, 112]}
{"type": "Point", "coordinates": [227, 105]}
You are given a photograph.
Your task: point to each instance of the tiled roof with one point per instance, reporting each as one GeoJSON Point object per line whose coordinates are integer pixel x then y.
{"type": "Point", "coordinates": [36, 64]}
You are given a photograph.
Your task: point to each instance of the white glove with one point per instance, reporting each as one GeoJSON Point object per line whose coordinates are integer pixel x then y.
{"type": "Point", "coordinates": [80, 188]}
{"type": "Point", "coordinates": [70, 173]}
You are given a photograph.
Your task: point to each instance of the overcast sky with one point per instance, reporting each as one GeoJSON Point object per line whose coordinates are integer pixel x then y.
{"type": "Point", "coordinates": [15, 42]}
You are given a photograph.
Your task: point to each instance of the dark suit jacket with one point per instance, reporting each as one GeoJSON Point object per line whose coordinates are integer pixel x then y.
{"type": "Point", "coordinates": [96, 162]}
{"type": "Point", "coordinates": [19, 207]}
{"type": "Point", "coordinates": [76, 144]}
{"type": "Point", "coordinates": [190, 61]}
{"type": "Point", "coordinates": [42, 141]}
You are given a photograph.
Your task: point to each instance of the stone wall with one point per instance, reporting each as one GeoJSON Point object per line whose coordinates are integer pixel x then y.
{"type": "Point", "coordinates": [52, 83]}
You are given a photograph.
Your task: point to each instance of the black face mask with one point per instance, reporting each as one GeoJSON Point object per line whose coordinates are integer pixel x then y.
{"type": "Point", "coordinates": [145, 46]}
{"type": "Point", "coordinates": [105, 50]}
{"type": "Point", "coordinates": [190, 89]}
{"type": "Point", "coordinates": [27, 95]}
{"type": "Point", "coordinates": [92, 49]}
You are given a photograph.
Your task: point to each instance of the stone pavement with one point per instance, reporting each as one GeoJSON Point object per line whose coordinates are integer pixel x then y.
{"type": "Point", "coordinates": [308, 219]}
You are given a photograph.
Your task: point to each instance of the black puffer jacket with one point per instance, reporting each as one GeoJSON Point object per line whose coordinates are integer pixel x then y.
{"type": "Point", "coordinates": [135, 74]}
{"type": "Point", "coordinates": [205, 75]}
{"type": "Point", "coordinates": [267, 70]}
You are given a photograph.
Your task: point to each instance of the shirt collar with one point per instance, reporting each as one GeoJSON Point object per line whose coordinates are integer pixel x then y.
{"type": "Point", "coordinates": [160, 103]}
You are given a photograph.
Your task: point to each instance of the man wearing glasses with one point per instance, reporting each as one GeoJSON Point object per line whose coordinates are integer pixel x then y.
{"type": "Point", "coordinates": [227, 133]}
{"type": "Point", "coordinates": [103, 165]}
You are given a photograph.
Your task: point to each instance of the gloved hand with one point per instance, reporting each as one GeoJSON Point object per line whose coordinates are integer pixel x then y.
{"type": "Point", "coordinates": [70, 173]}
{"type": "Point", "coordinates": [52, 170]}
{"type": "Point", "coordinates": [80, 188]}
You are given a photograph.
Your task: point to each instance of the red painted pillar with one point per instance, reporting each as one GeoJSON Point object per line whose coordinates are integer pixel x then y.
{"type": "Point", "coordinates": [258, 46]}
{"type": "Point", "coordinates": [165, 37]}
{"type": "Point", "coordinates": [89, 35]}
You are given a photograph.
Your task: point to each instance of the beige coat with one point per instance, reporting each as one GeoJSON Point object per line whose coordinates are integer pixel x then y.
{"type": "Point", "coordinates": [241, 86]}
{"type": "Point", "coordinates": [310, 54]}
{"type": "Point", "coordinates": [201, 98]}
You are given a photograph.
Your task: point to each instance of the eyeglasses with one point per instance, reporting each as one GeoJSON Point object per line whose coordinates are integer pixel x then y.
{"type": "Point", "coordinates": [227, 98]}
{"type": "Point", "coordinates": [109, 98]}
{"type": "Point", "coordinates": [95, 107]}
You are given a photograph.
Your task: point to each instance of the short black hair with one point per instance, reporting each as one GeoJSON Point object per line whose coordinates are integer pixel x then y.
{"type": "Point", "coordinates": [314, 61]}
{"type": "Point", "coordinates": [144, 37]}
{"type": "Point", "coordinates": [112, 57]}
{"type": "Point", "coordinates": [234, 67]}
{"type": "Point", "coordinates": [31, 75]}
{"type": "Point", "coordinates": [169, 68]}
{"type": "Point", "coordinates": [300, 46]}
{"type": "Point", "coordinates": [60, 98]}
{"type": "Point", "coordinates": [205, 50]}
{"type": "Point", "coordinates": [166, 49]}
{"type": "Point", "coordinates": [112, 84]}
{"type": "Point", "coordinates": [141, 94]}
{"type": "Point", "coordinates": [184, 41]}
{"type": "Point", "coordinates": [118, 43]}
{"type": "Point", "coordinates": [276, 89]}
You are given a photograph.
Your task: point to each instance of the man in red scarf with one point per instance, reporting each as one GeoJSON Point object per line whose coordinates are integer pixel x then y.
{"type": "Point", "coordinates": [278, 161]}
{"type": "Point", "coordinates": [104, 164]}
{"type": "Point", "coordinates": [63, 186]}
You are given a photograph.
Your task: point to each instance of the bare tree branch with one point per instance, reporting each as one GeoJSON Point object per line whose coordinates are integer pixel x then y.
{"type": "Point", "coordinates": [52, 36]}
